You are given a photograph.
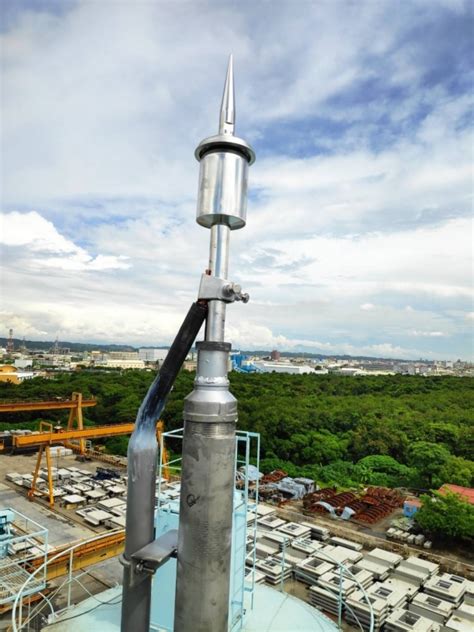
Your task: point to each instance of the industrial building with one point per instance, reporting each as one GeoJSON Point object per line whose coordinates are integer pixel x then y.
{"type": "Point", "coordinates": [282, 367]}
{"type": "Point", "coordinates": [152, 355]}
{"type": "Point", "coordinates": [15, 375]}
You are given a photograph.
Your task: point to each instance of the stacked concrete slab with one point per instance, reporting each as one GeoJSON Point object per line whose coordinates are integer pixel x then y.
{"type": "Point", "coordinates": [73, 501]}
{"type": "Point", "coordinates": [348, 544]}
{"type": "Point", "coordinates": [257, 576]}
{"type": "Point", "coordinates": [401, 620]}
{"type": "Point", "coordinates": [469, 594]}
{"type": "Point", "coordinates": [295, 530]}
{"type": "Point", "coordinates": [108, 504]}
{"type": "Point", "coordinates": [462, 619]}
{"type": "Point", "coordinates": [265, 548]}
{"type": "Point", "coordinates": [273, 570]}
{"type": "Point", "coordinates": [465, 611]}
{"type": "Point", "coordinates": [383, 600]}
{"type": "Point", "coordinates": [431, 607]}
{"type": "Point", "coordinates": [447, 587]}
{"type": "Point", "coordinates": [115, 522]}
{"type": "Point", "coordinates": [278, 538]}
{"type": "Point", "coordinates": [311, 569]}
{"type": "Point", "coordinates": [380, 562]}
{"type": "Point", "coordinates": [317, 532]}
{"type": "Point", "coordinates": [408, 588]}
{"type": "Point", "coordinates": [14, 477]}
{"type": "Point", "coordinates": [269, 523]}
{"type": "Point", "coordinates": [363, 577]}
{"type": "Point", "coordinates": [291, 556]}
{"type": "Point", "coordinates": [265, 510]}
{"type": "Point", "coordinates": [93, 516]}
{"type": "Point", "coordinates": [336, 582]}
{"type": "Point", "coordinates": [415, 571]}
{"type": "Point", "coordinates": [324, 599]}
{"type": "Point", "coordinates": [306, 545]}
{"type": "Point", "coordinates": [357, 611]}
{"type": "Point", "coordinates": [338, 554]}
{"type": "Point", "coordinates": [456, 624]}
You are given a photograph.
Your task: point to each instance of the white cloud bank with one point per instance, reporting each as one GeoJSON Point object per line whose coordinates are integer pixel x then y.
{"type": "Point", "coordinates": [31, 233]}
{"type": "Point", "coordinates": [357, 238]}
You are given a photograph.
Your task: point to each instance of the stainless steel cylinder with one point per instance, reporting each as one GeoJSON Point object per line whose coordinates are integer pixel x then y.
{"type": "Point", "coordinates": [206, 503]}
{"type": "Point", "coordinates": [222, 194]}
{"type": "Point", "coordinates": [211, 401]}
{"type": "Point", "coordinates": [205, 528]}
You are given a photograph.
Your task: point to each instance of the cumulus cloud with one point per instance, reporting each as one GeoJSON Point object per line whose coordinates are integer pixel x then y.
{"type": "Point", "coordinates": [357, 232]}
{"type": "Point", "coordinates": [32, 233]}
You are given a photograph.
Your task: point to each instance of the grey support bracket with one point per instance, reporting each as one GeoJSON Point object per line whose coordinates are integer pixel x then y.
{"type": "Point", "coordinates": [148, 559]}
{"type": "Point", "coordinates": [215, 288]}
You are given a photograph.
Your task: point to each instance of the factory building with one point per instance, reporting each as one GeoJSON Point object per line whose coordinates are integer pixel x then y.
{"type": "Point", "coordinates": [9, 373]}
{"type": "Point", "coordinates": [152, 355]}
{"type": "Point", "coordinates": [466, 493]}
{"type": "Point", "coordinates": [115, 363]}
{"type": "Point", "coordinates": [283, 367]}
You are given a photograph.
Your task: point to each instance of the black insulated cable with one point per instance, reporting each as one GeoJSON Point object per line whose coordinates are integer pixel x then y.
{"type": "Point", "coordinates": [155, 399]}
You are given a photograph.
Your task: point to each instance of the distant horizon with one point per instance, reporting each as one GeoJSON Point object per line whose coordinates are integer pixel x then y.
{"type": "Point", "coordinates": [258, 351]}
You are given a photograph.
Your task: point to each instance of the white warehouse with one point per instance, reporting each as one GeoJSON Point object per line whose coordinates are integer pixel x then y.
{"type": "Point", "coordinates": [283, 367]}
{"type": "Point", "coordinates": [152, 355]}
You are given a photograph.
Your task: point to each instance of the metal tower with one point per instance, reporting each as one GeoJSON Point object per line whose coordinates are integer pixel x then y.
{"type": "Point", "coordinates": [10, 343]}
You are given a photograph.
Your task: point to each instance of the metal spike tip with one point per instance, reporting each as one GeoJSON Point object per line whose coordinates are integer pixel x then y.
{"type": "Point", "coordinates": [227, 116]}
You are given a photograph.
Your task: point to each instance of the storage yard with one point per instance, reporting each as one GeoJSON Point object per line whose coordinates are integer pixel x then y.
{"type": "Point", "coordinates": [301, 556]}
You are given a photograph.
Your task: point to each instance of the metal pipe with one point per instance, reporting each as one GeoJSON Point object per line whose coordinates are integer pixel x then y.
{"type": "Point", "coordinates": [218, 266]}
{"type": "Point", "coordinates": [142, 464]}
{"type": "Point", "coordinates": [219, 251]}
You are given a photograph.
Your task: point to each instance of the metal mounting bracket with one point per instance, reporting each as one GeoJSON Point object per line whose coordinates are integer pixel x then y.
{"type": "Point", "coordinates": [148, 559]}
{"type": "Point", "coordinates": [215, 288]}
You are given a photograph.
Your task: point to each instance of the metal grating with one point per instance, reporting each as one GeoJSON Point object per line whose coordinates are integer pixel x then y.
{"type": "Point", "coordinates": [12, 578]}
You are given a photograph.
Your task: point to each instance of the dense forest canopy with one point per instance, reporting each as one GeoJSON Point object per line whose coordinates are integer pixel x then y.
{"type": "Point", "coordinates": [385, 430]}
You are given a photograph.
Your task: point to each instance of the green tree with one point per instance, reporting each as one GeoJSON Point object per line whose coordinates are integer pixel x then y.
{"type": "Point", "coordinates": [446, 516]}
{"type": "Point", "coordinates": [428, 458]}
{"type": "Point", "coordinates": [318, 425]}
{"type": "Point", "coordinates": [384, 470]}
{"type": "Point", "coordinates": [456, 470]}
{"type": "Point", "coordinates": [117, 445]}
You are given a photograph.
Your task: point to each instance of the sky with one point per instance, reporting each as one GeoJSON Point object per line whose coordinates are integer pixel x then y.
{"type": "Point", "coordinates": [359, 224]}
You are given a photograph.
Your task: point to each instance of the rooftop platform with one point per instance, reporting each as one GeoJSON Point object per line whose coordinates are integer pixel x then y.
{"type": "Point", "coordinates": [273, 612]}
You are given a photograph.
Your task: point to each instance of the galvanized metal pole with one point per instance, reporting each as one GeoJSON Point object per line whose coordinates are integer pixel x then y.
{"type": "Point", "coordinates": [210, 411]}
{"type": "Point", "coordinates": [142, 465]}
{"type": "Point", "coordinates": [218, 267]}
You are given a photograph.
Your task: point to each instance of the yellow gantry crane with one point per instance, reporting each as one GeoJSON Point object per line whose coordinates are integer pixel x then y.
{"type": "Point", "coordinates": [74, 436]}
{"type": "Point", "coordinates": [75, 406]}
{"type": "Point", "coordinates": [47, 437]}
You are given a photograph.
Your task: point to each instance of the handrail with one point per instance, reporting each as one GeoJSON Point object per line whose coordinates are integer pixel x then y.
{"type": "Point", "coordinates": [43, 567]}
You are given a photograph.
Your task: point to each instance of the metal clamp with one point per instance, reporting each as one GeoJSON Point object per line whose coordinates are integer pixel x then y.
{"type": "Point", "coordinates": [148, 559]}
{"type": "Point", "coordinates": [215, 288]}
